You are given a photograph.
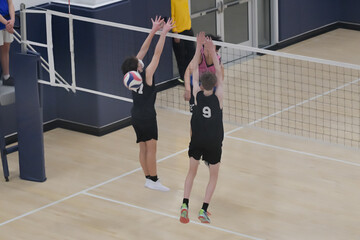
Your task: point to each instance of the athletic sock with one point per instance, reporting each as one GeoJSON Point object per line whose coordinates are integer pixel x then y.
{"type": "Point", "coordinates": [186, 201]}
{"type": "Point", "coordinates": [147, 176]}
{"type": "Point", "coordinates": [6, 77]}
{"type": "Point", "coordinates": [205, 206]}
{"type": "Point", "coordinates": [154, 178]}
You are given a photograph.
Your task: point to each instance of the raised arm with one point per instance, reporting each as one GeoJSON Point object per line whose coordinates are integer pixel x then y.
{"type": "Point", "coordinates": [150, 70]}
{"type": "Point", "coordinates": [194, 65]}
{"type": "Point", "coordinates": [187, 94]}
{"type": "Point", "coordinates": [156, 26]}
{"type": "Point", "coordinates": [189, 71]}
{"type": "Point", "coordinates": [218, 70]}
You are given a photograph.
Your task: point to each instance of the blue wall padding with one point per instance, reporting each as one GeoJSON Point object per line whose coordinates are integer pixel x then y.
{"type": "Point", "coordinates": [29, 119]}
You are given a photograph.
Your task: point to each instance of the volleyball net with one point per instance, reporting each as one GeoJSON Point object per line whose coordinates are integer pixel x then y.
{"type": "Point", "coordinates": [303, 96]}
{"type": "Point", "coordinates": [286, 93]}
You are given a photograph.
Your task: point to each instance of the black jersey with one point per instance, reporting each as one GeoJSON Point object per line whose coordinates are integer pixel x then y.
{"type": "Point", "coordinates": [144, 100]}
{"type": "Point", "coordinates": [207, 120]}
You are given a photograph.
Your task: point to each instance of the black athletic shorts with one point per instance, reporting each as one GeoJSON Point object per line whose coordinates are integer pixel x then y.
{"type": "Point", "coordinates": [145, 129]}
{"type": "Point", "coordinates": [210, 154]}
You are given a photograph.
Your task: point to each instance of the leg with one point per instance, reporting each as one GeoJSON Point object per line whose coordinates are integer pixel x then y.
{"type": "Point", "coordinates": [190, 177]}
{"type": "Point", "coordinates": [142, 158]}
{"type": "Point", "coordinates": [179, 55]}
{"type": "Point", "coordinates": [4, 52]}
{"type": "Point", "coordinates": [151, 164]}
{"type": "Point", "coordinates": [187, 188]}
{"type": "Point", "coordinates": [182, 60]}
{"type": "Point", "coordinates": [151, 156]}
{"type": "Point", "coordinates": [214, 173]}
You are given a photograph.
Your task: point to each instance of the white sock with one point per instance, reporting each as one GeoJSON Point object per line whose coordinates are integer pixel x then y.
{"type": "Point", "coordinates": [6, 77]}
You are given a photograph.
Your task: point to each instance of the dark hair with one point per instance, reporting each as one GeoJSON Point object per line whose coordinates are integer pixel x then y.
{"type": "Point", "coordinates": [130, 64]}
{"type": "Point", "coordinates": [208, 80]}
{"type": "Point", "coordinates": [215, 38]}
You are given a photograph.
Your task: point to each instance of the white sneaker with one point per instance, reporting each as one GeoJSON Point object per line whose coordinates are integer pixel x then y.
{"type": "Point", "coordinates": [147, 182]}
{"type": "Point", "coordinates": [156, 185]}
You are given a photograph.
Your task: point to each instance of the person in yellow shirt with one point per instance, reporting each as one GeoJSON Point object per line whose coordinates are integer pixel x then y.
{"type": "Point", "coordinates": [184, 50]}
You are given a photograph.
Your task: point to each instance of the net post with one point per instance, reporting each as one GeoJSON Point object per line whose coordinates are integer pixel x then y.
{"type": "Point", "coordinates": [23, 28]}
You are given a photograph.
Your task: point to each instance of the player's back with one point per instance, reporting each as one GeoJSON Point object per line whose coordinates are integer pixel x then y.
{"type": "Point", "coordinates": [207, 121]}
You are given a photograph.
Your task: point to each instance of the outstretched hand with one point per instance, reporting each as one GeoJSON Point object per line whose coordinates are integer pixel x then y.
{"type": "Point", "coordinates": [209, 45]}
{"type": "Point", "coordinates": [169, 25]}
{"type": "Point", "coordinates": [200, 38]}
{"type": "Point", "coordinates": [157, 24]}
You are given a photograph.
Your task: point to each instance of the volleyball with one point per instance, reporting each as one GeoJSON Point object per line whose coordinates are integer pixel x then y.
{"type": "Point", "coordinates": [132, 80]}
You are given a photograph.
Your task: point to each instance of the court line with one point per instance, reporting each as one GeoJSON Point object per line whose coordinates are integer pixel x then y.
{"type": "Point", "coordinates": [170, 216]}
{"type": "Point", "coordinates": [85, 190]}
{"type": "Point", "coordinates": [160, 160]}
{"type": "Point", "coordinates": [295, 151]}
{"type": "Point", "coordinates": [232, 131]}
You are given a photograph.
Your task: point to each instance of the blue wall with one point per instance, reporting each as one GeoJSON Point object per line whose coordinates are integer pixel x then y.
{"type": "Point", "coordinates": [350, 11]}
{"type": "Point", "coordinates": [297, 17]}
{"type": "Point", "coordinates": [99, 53]}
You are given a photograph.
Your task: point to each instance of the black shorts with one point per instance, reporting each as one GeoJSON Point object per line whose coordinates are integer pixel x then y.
{"type": "Point", "coordinates": [210, 154]}
{"type": "Point", "coordinates": [145, 129]}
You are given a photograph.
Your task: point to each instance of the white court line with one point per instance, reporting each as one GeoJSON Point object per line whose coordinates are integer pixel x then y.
{"type": "Point", "coordinates": [138, 169]}
{"type": "Point", "coordinates": [38, 209]}
{"type": "Point", "coordinates": [232, 131]}
{"type": "Point", "coordinates": [295, 151]}
{"type": "Point", "coordinates": [83, 191]}
{"type": "Point", "coordinates": [171, 216]}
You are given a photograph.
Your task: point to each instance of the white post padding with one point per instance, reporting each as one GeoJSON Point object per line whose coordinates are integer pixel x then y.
{"type": "Point", "coordinates": [49, 41]}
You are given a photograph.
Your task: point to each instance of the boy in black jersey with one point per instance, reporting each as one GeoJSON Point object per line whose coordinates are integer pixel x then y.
{"type": "Point", "coordinates": [207, 129]}
{"type": "Point", "coordinates": [143, 112]}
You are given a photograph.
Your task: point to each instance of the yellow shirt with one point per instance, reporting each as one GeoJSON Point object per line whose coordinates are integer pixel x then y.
{"type": "Point", "coordinates": [181, 15]}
